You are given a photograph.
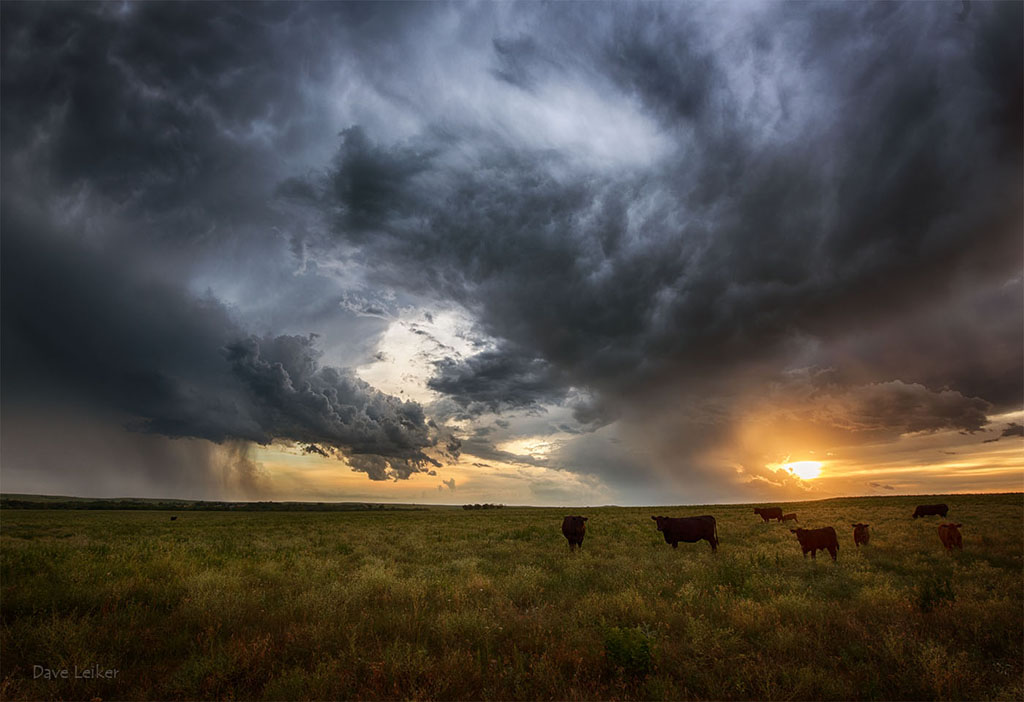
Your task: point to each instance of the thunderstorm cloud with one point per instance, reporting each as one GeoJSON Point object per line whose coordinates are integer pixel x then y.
{"type": "Point", "coordinates": [685, 237]}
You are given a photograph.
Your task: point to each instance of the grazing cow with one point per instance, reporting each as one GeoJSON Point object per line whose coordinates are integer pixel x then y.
{"type": "Point", "coordinates": [689, 530]}
{"type": "Point", "coordinates": [574, 528]}
{"type": "Point", "coordinates": [930, 510]}
{"type": "Point", "coordinates": [814, 540]}
{"type": "Point", "coordinates": [174, 519]}
{"type": "Point", "coordinates": [768, 513]}
{"type": "Point", "coordinates": [861, 534]}
{"type": "Point", "coordinates": [950, 536]}
{"type": "Point", "coordinates": [791, 517]}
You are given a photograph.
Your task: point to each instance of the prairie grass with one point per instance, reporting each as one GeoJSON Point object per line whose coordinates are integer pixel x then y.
{"type": "Point", "coordinates": [454, 604]}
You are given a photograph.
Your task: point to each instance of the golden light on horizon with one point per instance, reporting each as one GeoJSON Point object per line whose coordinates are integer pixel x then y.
{"type": "Point", "coordinates": [805, 470]}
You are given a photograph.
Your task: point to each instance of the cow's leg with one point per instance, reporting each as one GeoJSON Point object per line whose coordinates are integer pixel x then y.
{"type": "Point", "coordinates": [714, 545]}
{"type": "Point", "coordinates": [832, 550]}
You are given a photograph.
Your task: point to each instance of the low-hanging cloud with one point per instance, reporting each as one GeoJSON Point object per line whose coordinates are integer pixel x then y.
{"type": "Point", "coordinates": [183, 367]}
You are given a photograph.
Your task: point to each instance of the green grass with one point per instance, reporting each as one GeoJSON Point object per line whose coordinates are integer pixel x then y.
{"type": "Point", "coordinates": [491, 605]}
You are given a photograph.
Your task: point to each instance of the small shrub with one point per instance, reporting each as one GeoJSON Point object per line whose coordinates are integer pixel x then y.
{"type": "Point", "coordinates": [933, 592]}
{"type": "Point", "coordinates": [628, 649]}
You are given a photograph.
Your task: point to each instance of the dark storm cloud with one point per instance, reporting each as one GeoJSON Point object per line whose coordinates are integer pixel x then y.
{"type": "Point", "coordinates": [497, 381]}
{"type": "Point", "coordinates": [896, 407]}
{"type": "Point", "coordinates": [1013, 429]}
{"type": "Point", "coordinates": [164, 109]}
{"type": "Point", "coordinates": [653, 222]}
{"type": "Point", "coordinates": [78, 327]}
{"type": "Point", "coordinates": [829, 169]}
{"type": "Point", "coordinates": [144, 147]}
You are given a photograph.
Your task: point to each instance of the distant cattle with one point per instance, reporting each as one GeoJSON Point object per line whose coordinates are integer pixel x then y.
{"type": "Point", "coordinates": [574, 529]}
{"type": "Point", "coordinates": [791, 517]}
{"type": "Point", "coordinates": [861, 534]}
{"type": "Point", "coordinates": [930, 510]}
{"type": "Point", "coordinates": [815, 540]}
{"type": "Point", "coordinates": [688, 530]}
{"type": "Point", "coordinates": [950, 536]}
{"type": "Point", "coordinates": [768, 513]}
{"type": "Point", "coordinates": [174, 519]}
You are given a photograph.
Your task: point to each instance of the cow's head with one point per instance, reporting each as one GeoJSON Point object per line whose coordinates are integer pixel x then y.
{"type": "Point", "coordinates": [661, 522]}
{"type": "Point", "coordinates": [952, 526]}
{"type": "Point", "coordinates": [796, 531]}
{"type": "Point", "coordinates": [859, 526]}
{"type": "Point", "coordinates": [577, 520]}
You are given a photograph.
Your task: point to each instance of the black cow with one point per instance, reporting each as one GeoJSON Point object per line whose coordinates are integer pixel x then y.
{"type": "Point", "coordinates": [930, 510]}
{"type": "Point", "coordinates": [574, 529]}
{"type": "Point", "coordinates": [688, 530]}
{"type": "Point", "coordinates": [815, 540]}
{"type": "Point", "coordinates": [174, 519]}
{"type": "Point", "coordinates": [768, 513]}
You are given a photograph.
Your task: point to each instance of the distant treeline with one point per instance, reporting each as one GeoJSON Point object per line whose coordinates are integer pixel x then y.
{"type": "Point", "coordinates": [487, 506]}
{"type": "Point", "coordinates": [203, 506]}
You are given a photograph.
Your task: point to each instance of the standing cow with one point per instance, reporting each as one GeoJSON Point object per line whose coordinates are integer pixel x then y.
{"type": "Point", "coordinates": [689, 530]}
{"type": "Point", "coordinates": [861, 534]}
{"type": "Point", "coordinates": [949, 535]}
{"type": "Point", "coordinates": [574, 529]}
{"type": "Point", "coordinates": [930, 510]}
{"type": "Point", "coordinates": [815, 540]}
{"type": "Point", "coordinates": [768, 513]}
{"type": "Point", "coordinates": [791, 517]}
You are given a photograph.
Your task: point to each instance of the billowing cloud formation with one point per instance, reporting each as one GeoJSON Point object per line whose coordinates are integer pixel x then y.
{"type": "Point", "coordinates": [787, 195]}
{"type": "Point", "coordinates": [77, 325]}
{"type": "Point", "coordinates": [660, 225]}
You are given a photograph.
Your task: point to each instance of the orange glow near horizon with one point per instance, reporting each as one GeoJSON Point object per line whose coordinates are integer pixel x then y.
{"type": "Point", "coordinates": [805, 470]}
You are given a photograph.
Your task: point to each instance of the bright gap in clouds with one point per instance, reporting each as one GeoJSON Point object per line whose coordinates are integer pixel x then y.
{"type": "Point", "coordinates": [805, 470]}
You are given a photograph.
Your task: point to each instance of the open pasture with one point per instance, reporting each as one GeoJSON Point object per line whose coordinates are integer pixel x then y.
{"type": "Point", "coordinates": [454, 604]}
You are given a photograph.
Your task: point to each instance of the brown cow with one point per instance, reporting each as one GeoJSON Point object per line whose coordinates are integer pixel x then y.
{"type": "Point", "coordinates": [814, 540]}
{"type": "Point", "coordinates": [930, 510]}
{"type": "Point", "coordinates": [768, 513]}
{"type": "Point", "coordinates": [861, 534]}
{"type": "Point", "coordinates": [791, 517]}
{"type": "Point", "coordinates": [574, 528]}
{"type": "Point", "coordinates": [950, 536]}
{"type": "Point", "coordinates": [688, 530]}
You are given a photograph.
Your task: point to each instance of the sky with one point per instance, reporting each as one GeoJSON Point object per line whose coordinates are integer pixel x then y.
{"type": "Point", "coordinates": [526, 253]}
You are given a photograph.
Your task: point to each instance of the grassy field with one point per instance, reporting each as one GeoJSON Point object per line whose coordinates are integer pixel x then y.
{"type": "Point", "coordinates": [453, 604]}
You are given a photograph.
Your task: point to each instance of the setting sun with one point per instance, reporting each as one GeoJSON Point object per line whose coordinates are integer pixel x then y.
{"type": "Point", "coordinates": [805, 470]}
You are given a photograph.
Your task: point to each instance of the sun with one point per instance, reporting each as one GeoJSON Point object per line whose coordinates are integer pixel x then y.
{"type": "Point", "coordinates": [805, 470]}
